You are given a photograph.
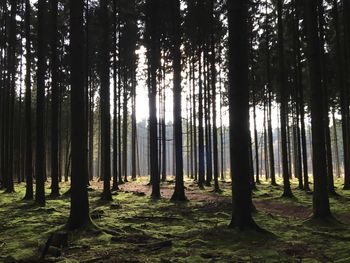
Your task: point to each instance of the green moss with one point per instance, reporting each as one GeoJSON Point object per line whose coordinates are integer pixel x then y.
{"type": "Point", "coordinates": [198, 229]}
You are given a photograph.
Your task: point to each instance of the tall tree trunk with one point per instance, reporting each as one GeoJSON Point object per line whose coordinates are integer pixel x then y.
{"type": "Point", "coordinates": [321, 24]}
{"type": "Point", "coordinates": [344, 93]}
{"type": "Point", "coordinates": [222, 150]}
{"type": "Point", "coordinates": [191, 119]}
{"type": "Point", "coordinates": [201, 167]}
{"type": "Point", "coordinates": [179, 193]}
{"type": "Point", "coordinates": [120, 175]}
{"type": "Point", "coordinates": [28, 108]}
{"type": "Point", "coordinates": [269, 90]}
{"type": "Point", "coordinates": [54, 101]}
{"type": "Point", "coordinates": [321, 209]}
{"type": "Point", "coordinates": [79, 210]}
{"type": "Point", "coordinates": [194, 109]}
{"type": "Point", "coordinates": [40, 138]}
{"type": "Point", "coordinates": [300, 96]}
{"type": "Point", "coordinates": [163, 129]}
{"type": "Point", "coordinates": [153, 20]}
{"type": "Point", "coordinates": [287, 192]}
{"type": "Point", "coordinates": [115, 186]}
{"type": "Point", "coordinates": [239, 116]}
{"type": "Point", "coordinates": [133, 128]}
{"type": "Point", "coordinates": [125, 131]}
{"type": "Point", "coordinates": [88, 99]}
{"type": "Point", "coordinates": [336, 148]}
{"type": "Point", "coordinates": [213, 88]}
{"type": "Point", "coordinates": [256, 143]}
{"type": "Point", "coordinates": [266, 153]}
{"type": "Point", "coordinates": [207, 124]}
{"type": "Point", "coordinates": [105, 102]}
{"type": "Point", "coordinates": [11, 83]}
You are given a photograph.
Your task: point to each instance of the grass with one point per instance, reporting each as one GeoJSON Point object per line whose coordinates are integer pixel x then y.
{"type": "Point", "coordinates": [197, 229]}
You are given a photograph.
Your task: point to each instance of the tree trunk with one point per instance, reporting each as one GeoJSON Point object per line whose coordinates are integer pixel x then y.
{"type": "Point", "coordinates": [28, 108]}
{"type": "Point", "coordinates": [287, 192]}
{"type": "Point", "coordinates": [179, 193]}
{"type": "Point", "coordinates": [40, 138]}
{"type": "Point", "coordinates": [336, 148]}
{"type": "Point", "coordinates": [321, 209]}
{"type": "Point", "coordinates": [194, 109]}
{"type": "Point", "coordinates": [115, 186]}
{"type": "Point", "coordinates": [153, 19]}
{"type": "Point", "coordinates": [105, 102]}
{"type": "Point", "coordinates": [79, 210]}
{"type": "Point", "coordinates": [54, 101]}
{"type": "Point", "coordinates": [239, 116]}
{"type": "Point", "coordinates": [213, 88]}
{"type": "Point", "coordinates": [201, 167]}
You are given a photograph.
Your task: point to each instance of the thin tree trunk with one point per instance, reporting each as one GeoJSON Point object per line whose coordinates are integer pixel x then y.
{"type": "Point", "coordinates": [40, 138]}
{"type": "Point", "coordinates": [28, 108]}
{"type": "Point", "coordinates": [336, 148]}
{"type": "Point", "coordinates": [54, 101]}
{"type": "Point", "coordinates": [287, 192]}
{"type": "Point", "coordinates": [153, 18]}
{"type": "Point", "coordinates": [179, 193]}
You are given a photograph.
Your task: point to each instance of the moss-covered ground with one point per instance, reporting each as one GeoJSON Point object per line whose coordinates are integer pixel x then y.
{"type": "Point", "coordinates": [145, 230]}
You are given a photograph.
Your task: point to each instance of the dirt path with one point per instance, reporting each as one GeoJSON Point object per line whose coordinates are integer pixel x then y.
{"type": "Point", "coordinates": [193, 193]}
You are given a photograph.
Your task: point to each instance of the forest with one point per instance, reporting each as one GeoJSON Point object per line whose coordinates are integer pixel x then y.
{"type": "Point", "coordinates": [174, 131]}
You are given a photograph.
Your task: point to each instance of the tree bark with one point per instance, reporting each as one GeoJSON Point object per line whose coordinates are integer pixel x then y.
{"type": "Point", "coordinates": [321, 209]}
{"type": "Point", "coordinates": [239, 116]}
{"type": "Point", "coordinates": [79, 210]}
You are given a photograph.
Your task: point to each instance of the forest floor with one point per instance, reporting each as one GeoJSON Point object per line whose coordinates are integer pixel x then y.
{"type": "Point", "coordinates": [162, 231]}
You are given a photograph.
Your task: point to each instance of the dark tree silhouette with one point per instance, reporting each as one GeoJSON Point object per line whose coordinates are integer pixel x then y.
{"type": "Point", "coordinates": [54, 100]}
{"type": "Point", "coordinates": [239, 115]}
{"type": "Point", "coordinates": [154, 56]}
{"type": "Point", "coordinates": [105, 101]}
{"type": "Point", "coordinates": [179, 194]}
{"type": "Point", "coordinates": [287, 192]}
{"type": "Point", "coordinates": [79, 210]}
{"type": "Point", "coordinates": [28, 108]}
{"type": "Point", "coordinates": [321, 209]}
{"type": "Point", "coordinates": [40, 108]}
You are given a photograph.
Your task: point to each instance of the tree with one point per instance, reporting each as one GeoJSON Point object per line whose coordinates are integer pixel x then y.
{"type": "Point", "coordinates": [321, 209]}
{"type": "Point", "coordinates": [28, 108]}
{"type": "Point", "coordinates": [154, 57]}
{"type": "Point", "coordinates": [105, 102]}
{"type": "Point", "coordinates": [40, 108]}
{"type": "Point", "coordinates": [11, 94]}
{"type": "Point", "coordinates": [115, 85]}
{"type": "Point", "coordinates": [79, 210]}
{"type": "Point", "coordinates": [54, 101]}
{"type": "Point", "coordinates": [287, 192]}
{"type": "Point", "coordinates": [179, 193]}
{"type": "Point", "coordinates": [239, 116]}
{"type": "Point", "coordinates": [269, 92]}
{"type": "Point", "coordinates": [213, 87]}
